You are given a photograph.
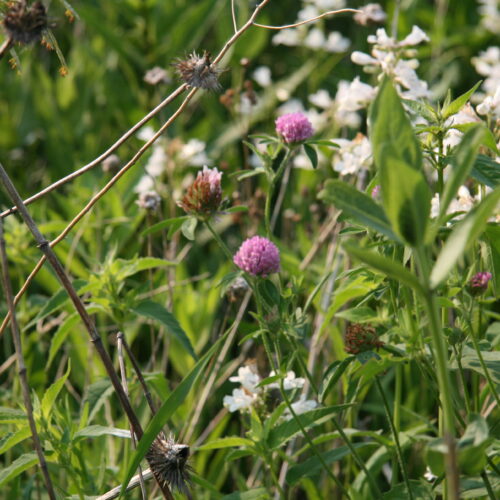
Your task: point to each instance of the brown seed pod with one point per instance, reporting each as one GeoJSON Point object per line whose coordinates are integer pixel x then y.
{"type": "Point", "coordinates": [25, 24]}
{"type": "Point", "coordinates": [199, 71]}
{"type": "Point", "coordinates": [168, 462]}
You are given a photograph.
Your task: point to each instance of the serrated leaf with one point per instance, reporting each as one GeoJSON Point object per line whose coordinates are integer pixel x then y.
{"type": "Point", "coordinates": [357, 205]}
{"type": "Point", "coordinates": [18, 466]}
{"type": "Point", "coordinates": [227, 442]}
{"type": "Point", "coordinates": [455, 106]}
{"type": "Point", "coordinates": [487, 171]}
{"type": "Point", "coordinates": [156, 311]}
{"type": "Point", "coordinates": [398, 157]}
{"type": "Point", "coordinates": [462, 236]}
{"type": "Point", "coordinates": [100, 430]}
{"type": "Point", "coordinates": [311, 154]}
{"type": "Point", "coordinates": [53, 391]}
{"type": "Point", "coordinates": [390, 268]}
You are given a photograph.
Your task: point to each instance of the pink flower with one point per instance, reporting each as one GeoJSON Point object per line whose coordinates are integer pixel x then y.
{"type": "Point", "coordinates": [479, 283]}
{"type": "Point", "coordinates": [204, 196]}
{"type": "Point", "coordinates": [258, 256]}
{"type": "Point", "coordinates": [294, 127]}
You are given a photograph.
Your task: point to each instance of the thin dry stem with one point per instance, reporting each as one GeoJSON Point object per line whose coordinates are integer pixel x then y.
{"type": "Point", "coordinates": [103, 156]}
{"type": "Point", "coordinates": [79, 306]}
{"type": "Point", "coordinates": [307, 21]}
{"type": "Point", "coordinates": [134, 482]}
{"type": "Point", "coordinates": [6, 45]}
{"type": "Point", "coordinates": [233, 15]}
{"type": "Point", "coordinates": [123, 372]}
{"type": "Point", "coordinates": [16, 337]}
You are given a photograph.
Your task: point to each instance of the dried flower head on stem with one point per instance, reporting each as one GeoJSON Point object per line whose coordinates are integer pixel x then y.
{"type": "Point", "coordinates": [199, 71]}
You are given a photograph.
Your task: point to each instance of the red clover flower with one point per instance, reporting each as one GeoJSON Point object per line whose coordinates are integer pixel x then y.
{"type": "Point", "coordinates": [294, 127]}
{"type": "Point", "coordinates": [258, 256]}
{"type": "Point", "coordinates": [479, 283]}
{"type": "Point", "coordinates": [361, 338]}
{"type": "Point", "coordinates": [204, 196]}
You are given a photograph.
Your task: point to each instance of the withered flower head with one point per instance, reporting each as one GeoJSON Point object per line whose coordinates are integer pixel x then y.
{"type": "Point", "coordinates": [25, 24]}
{"type": "Point", "coordinates": [204, 196]}
{"type": "Point", "coordinates": [149, 200]}
{"type": "Point", "coordinates": [168, 462]}
{"type": "Point", "coordinates": [156, 75]}
{"type": "Point", "coordinates": [199, 71]}
{"type": "Point", "coordinates": [361, 338]}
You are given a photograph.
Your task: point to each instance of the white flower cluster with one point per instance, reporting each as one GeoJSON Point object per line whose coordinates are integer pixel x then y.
{"type": "Point", "coordinates": [311, 36]}
{"type": "Point", "coordinates": [191, 153]}
{"type": "Point", "coordinates": [249, 394]}
{"type": "Point", "coordinates": [390, 56]}
{"type": "Point", "coordinates": [487, 64]}
{"type": "Point", "coordinates": [490, 15]}
{"type": "Point", "coordinates": [352, 157]}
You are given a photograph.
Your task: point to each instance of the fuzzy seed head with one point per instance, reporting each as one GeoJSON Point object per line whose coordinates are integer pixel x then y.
{"type": "Point", "coordinates": [25, 24]}
{"type": "Point", "coordinates": [149, 200]}
{"type": "Point", "coordinates": [168, 462]}
{"type": "Point", "coordinates": [199, 71]}
{"type": "Point", "coordinates": [258, 256]}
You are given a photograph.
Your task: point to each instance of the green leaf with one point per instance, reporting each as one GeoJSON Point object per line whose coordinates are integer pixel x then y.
{"type": "Point", "coordinates": [488, 138]}
{"type": "Point", "coordinates": [100, 430]}
{"type": "Point", "coordinates": [11, 415]}
{"type": "Point", "coordinates": [236, 209]}
{"type": "Point", "coordinates": [13, 438]}
{"type": "Point", "coordinates": [254, 494]}
{"type": "Point", "coordinates": [389, 267]}
{"type": "Point", "coordinates": [53, 391]}
{"type": "Point", "coordinates": [188, 227]}
{"type": "Point", "coordinates": [357, 205]}
{"type": "Point", "coordinates": [423, 109]}
{"type": "Point", "coordinates": [323, 142]}
{"type": "Point", "coordinates": [358, 314]}
{"type": "Point", "coordinates": [313, 465]}
{"type": "Point", "coordinates": [286, 430]}
{"type": "Point", "coordinates": [227, 442]}
{"type": "Point", "coordinates": [419, 490]}
{"type": "Point", "coordinates": [168, 408]}
{"type": "Point", "coordinates": [332, 376]}
{"type": "Point", "coordinates": [462, 236]}
{"type": "Point", "coordinates": [60, 336]}
{"type": "Point", "coordinates": [462, 163]}
{"type": "Point", "coordinates": [176, 222]}
{"type": "Point", "coordinates": [487, 171]}
{"type": "Point", "coordinates": [311, 154]}
{"type": "Point", "coordinates": [18, 466]}
{"type": "Point", "coordinates": [122, 269]}
{"type": "Point", "coordinates": [470, 360]}
{"type": "Point", "coordinates": [157, 312]}
{"type": "Point", "coordinates": [455, 106]}
{"type": "Point", "coordinates": [405, 193]}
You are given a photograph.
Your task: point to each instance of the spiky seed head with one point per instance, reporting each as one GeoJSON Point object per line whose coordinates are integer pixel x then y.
{"type": "Point", "coordinates": [25, 24]}
{"type": "Point", "coordinates": [199, 71]}
{"type": "Point", "coordinates": [168, 462]}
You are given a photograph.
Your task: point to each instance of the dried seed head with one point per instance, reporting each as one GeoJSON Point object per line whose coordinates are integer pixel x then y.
{"type": "Point", "coordinates": [24, 24]}
{"type": "Point", "coordinates": [149, 200]}
{"type": "Point", "coordinates": [168, 462]}
{"type": "Point", "coordinates": [199, 71]}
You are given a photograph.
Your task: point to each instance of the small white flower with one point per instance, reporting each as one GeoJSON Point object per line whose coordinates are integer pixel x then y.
{"type": "Point", "coordinates": [300, 406]}
{"type": "Point", "coordinates": [146, 133]}
{"type": "Point", "coordinates": [262, 75]}
{"type": "Point", "coordinates": [145, 184]}
{"type": "Point", "coordinates": [321, 99]}
{"type": "Point", "coordinates": [362, 59]}
{"type": "Point", "coordinates": [429, 475]}
{"type": "Point", "coordinates": [240, 400]}
{"type": "Point", "coordinates": [289, 382]}
{"type": "Point", "coordinates": [315, 39]}
{"type": "Point", "coordinates": [247, 378]}
{"type": "Point", "coordinates": [329, 4]}
{"type": "Point", "coordinates": [370, 13]}
{"type": "Point", "coordinates": [193, 153]}
{"type": "Point", "coordinates": [490, 105]}
{"type": "Point", "coordinates": [355, 95]}
{"type": "Point", "coordinates": [414, 38]}
{"type": "Point", "coordinates": [157, 161]}
{"type": "Point", "coordinates": [337, 43]}
{"type": "Point", "coordinates": [352, 156]}
{"type": "Point", "coordinates": [290, 106]}
{"type": "Point", "coordinates": [289, 37]}
{"type": "Point", "coordinates": [308, 12]}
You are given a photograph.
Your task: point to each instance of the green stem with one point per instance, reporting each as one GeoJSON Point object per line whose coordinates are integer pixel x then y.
{"type": "Point", "coordinates": [267, 348]}
{"type": "Point", "coordinates": [397, 415]}
{"type": "Point", "coordinates": [272, 187]}
{"type": "Point", "coordinates": [441, 360]}
{"type": "Point", "coordinates": [218, 239]}
{"type": "Point", "coordinates": [487, 483]}
{"type": "Point", "coordinates": [395, 434]}
{"type": "Point", "coordinates": [468, 408]}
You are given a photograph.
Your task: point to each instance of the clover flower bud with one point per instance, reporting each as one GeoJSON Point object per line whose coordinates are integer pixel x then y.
{"type": "Point", "coordinates": [361, 338]}
{"type": "Point", "coordinates": [479, 283]}
{"type": "Point", "coordinates": [204, 196]}
{"type": "Point", "coordinates": [258, 256]}
{"type": "Point", "coordinates": [294, 127]}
